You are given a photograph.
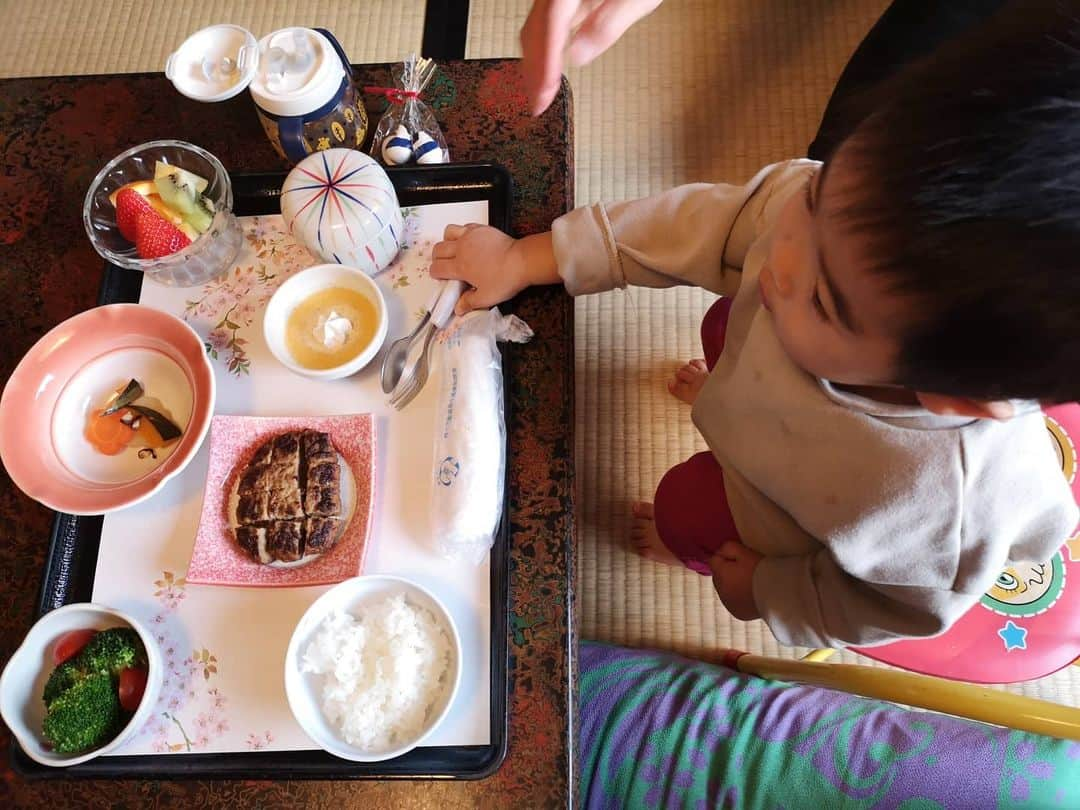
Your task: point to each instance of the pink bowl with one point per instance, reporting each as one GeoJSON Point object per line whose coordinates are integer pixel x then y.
{"type": "Point", "coordinates": [71, 370]}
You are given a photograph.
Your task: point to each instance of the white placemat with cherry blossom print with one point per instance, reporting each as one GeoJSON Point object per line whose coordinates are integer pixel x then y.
{"type": "Point", "coordinates": [224, 647]}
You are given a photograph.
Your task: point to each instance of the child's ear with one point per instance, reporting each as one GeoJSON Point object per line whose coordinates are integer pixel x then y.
{"type": "Point", "coordinates": [962, 406]}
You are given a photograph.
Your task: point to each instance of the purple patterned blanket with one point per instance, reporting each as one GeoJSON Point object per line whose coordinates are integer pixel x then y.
{"type": "Point", "coordinates": [658, 730]}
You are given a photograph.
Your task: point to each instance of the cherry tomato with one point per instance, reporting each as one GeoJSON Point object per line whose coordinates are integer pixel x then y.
{"type": "Point", "coordinates": [70, 644]}
{"type": "Point", "coordinates": [132, 686]}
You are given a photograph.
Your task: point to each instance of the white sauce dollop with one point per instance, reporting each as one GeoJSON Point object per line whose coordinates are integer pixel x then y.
{"type": "Point", "coordinates": [332, 330]}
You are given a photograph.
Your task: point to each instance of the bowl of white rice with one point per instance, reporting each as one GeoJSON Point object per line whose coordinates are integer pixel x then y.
{"type": "Point", "coordinates": [372, 668]}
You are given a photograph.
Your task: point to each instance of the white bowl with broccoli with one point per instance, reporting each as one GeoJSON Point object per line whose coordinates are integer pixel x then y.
{"type": "Point", "coordinates": [84, 680]}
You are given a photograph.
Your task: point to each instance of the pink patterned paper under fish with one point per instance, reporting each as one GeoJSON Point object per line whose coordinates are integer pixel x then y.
{"type": "Point", "coordinates": [217, 559]}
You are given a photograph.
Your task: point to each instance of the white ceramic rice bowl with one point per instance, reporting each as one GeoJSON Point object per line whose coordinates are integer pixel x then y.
{"type": "Point", "coordinates": [304, 690]}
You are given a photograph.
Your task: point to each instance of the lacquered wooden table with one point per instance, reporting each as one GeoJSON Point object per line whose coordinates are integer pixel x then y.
{"type": "Point", "coordinates": [55, 133]}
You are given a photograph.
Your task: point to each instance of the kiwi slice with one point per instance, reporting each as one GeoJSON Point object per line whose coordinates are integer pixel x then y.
{"type": "Point", "coordinates": [188, 178]}
{"type": "Point", "coordinates": [181, 191]}
{"type": "Point", "coordinates": [202, 217]}
{"type": "Point", "coordinates": [177, 193]}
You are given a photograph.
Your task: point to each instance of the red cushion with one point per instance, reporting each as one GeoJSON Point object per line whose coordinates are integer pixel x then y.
{"type": "Point", "coordinates": [1025, 627]}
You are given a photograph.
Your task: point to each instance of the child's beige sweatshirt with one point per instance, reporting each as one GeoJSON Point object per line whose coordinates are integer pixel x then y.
{"type": "Point", "coordinates": [877, 521]}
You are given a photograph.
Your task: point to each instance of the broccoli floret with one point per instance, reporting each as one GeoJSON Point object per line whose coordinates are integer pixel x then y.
{"type": "Point", "coordinates": [111, 651]}
{"type": "Point", "coordinates": [82, 701]}
{"type": "Point", "coordinates": [85, 716]}
{"type": "Point", "coordinates": [63, 677]}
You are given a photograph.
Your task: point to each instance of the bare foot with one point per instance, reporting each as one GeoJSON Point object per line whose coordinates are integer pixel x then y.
{"type": "Point", "coordinates": [687, 382]}
{"type": "Point", "coordinates": [644, 538]}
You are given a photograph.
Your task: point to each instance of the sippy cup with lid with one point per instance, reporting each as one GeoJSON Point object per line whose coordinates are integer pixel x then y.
{"type": "Point", "coordinates": [300, 79]}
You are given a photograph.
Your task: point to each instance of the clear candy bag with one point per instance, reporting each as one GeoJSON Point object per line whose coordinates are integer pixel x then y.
{"type": "Point", "coordinates": [470, 434]}
{"type": "Point", "coordinates": [408, 130]}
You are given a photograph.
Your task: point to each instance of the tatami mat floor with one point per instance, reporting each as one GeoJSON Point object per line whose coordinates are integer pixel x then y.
{"type": "Point", "coordinates": [60, 37]}
{"type": "Point", "coordinates": [701, 90]}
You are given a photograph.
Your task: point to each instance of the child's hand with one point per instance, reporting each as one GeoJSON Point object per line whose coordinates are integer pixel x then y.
{"type": "Point", "coordinates": [733, 577]}
{"type": "Point", "coordinates": [495, 265]}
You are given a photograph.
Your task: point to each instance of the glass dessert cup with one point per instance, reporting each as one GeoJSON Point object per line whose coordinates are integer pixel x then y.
{"type": "Point", "coordinates": [208, 256]}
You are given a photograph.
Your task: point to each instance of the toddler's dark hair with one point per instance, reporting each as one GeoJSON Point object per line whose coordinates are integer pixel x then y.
{"type": "Point", "coordinates": [968, 191]}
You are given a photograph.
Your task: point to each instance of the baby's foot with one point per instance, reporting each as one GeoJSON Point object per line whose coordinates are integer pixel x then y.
{"type": "Point", "coordinates": [644, 538]}
{"type": "Point", "coordinates": [687, 382]}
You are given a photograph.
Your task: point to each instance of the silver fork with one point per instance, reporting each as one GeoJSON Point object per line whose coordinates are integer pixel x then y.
{"type": "Point", "coordinates": [415, 373]}
{"type": "Point", "coordinates": [416, 376]}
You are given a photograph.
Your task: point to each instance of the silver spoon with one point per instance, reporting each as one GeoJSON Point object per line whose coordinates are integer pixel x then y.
{"type": "Point", "coordinates": [416, 374]}
{"type": "Point", "coordinates": [394, 361]}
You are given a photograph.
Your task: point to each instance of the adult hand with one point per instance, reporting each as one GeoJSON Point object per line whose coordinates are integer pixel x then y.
{"type": "Point", "coordinates": [590, 27]}
{"type": "Point", "coordinates": [733, 577]}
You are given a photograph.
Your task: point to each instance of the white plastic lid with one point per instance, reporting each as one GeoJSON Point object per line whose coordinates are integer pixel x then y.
{"type": "Point", "coordinates": [299, 71]}
{"type": "Point", "coordinates": [215, 63]}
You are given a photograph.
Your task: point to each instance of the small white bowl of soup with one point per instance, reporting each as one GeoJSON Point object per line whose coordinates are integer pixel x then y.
{"type": "Point", "coordinates": [327, 321]}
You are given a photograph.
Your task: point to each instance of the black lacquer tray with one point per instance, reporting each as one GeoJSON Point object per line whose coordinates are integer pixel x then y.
{"type": "Point", "coordinates": [73, 548]}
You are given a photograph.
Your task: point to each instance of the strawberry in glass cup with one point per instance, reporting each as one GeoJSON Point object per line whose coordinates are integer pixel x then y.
{"type": "Point", "coordinates": [156, 237]}
{"type": "Point", "coordinates": [130, 204]}
{"type": "Point", "coordinates": [164, 215]}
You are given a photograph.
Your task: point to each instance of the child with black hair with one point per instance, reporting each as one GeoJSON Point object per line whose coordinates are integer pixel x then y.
{"type": "Point", "coordinates": [890, 321]}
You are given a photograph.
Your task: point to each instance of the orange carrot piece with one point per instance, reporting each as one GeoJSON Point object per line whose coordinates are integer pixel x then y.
{"type": "Point", "coordinates": [108, 434]}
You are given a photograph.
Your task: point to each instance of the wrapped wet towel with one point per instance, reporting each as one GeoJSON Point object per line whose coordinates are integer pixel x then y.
{"type": "Point", "coordinates": [470, 435]}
